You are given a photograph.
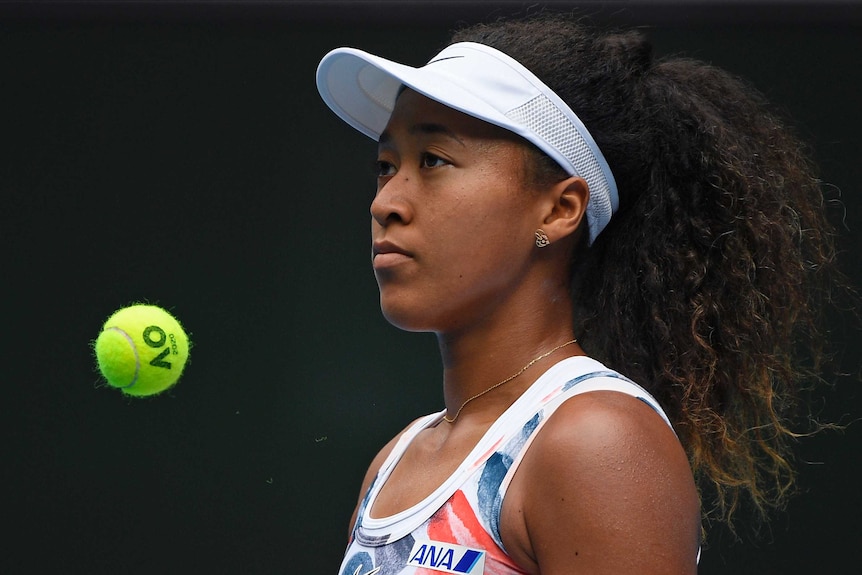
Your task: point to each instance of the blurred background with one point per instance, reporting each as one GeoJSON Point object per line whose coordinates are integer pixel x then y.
{"type": "Point", "coordinates": [178, 153]}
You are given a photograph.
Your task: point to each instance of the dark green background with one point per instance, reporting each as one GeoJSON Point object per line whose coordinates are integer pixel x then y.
{"type": "Point", "coordinates": [179, 154]}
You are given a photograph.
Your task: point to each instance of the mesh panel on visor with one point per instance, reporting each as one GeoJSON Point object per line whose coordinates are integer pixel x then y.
{"type": "Point", "coordinates": [542, 117]}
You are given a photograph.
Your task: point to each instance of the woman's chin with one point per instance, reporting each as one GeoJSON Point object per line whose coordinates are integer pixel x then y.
{"type": "Point", "coordinates": [404, 322]}
{"type": "Point", "coordinates": [407, 317]}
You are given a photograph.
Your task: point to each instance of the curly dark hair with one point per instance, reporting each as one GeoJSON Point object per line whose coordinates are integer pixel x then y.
{"type": "Point", "coordinates": [707, 286]}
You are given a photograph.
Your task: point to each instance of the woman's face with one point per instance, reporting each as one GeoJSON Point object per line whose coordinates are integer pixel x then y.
{"type": "Point", "coordinates": [452, 222]}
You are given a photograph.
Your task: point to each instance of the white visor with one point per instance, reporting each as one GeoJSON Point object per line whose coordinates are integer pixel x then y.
{"type": "Point", "coordinates": [484, 83]}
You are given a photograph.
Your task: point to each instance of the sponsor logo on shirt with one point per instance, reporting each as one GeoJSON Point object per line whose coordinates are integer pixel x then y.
{"type": "Point", "coordinates": [446, 558]}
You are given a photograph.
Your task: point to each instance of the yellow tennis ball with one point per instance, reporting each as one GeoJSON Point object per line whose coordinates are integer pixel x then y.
{"type": "Point", "coordinates": [142, 350]}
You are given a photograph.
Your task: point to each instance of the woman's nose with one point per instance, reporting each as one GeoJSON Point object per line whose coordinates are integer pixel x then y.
{"type": "Point", "coordinates": [390, 204]}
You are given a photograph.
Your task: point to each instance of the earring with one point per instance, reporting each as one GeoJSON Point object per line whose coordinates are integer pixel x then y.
{"type": "Point", "coordinates": [542, 239]}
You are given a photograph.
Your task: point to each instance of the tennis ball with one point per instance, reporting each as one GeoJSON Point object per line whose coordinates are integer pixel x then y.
{"type": "Point", "coordinates": [142, 350]}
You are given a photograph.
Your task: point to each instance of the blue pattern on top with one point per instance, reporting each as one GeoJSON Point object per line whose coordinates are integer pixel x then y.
{"type": "Point", "coordinates": [490, 500]}
{"type": "Point", "coordinates": [573, 382]}
{"type": "Point", "coordinates": [489, 496]}
{"type": "Point", "coordinates": [393, 557]}
{"type": "Point", "coordinates": [359, 563]}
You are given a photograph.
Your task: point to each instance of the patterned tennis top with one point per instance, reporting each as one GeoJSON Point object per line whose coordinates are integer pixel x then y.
{"type": "Point", "coordinates": [456, 529]}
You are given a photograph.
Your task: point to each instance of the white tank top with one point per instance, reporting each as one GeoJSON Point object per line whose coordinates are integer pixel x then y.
{"type": "Point", "coordinates": [456, 529]}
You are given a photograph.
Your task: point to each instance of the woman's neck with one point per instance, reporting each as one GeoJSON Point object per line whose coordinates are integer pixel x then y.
{"type": "Point", "coordinates": [507, 355]}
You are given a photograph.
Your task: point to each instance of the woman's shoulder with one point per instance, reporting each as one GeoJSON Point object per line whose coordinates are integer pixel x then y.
{"type": "Point", "coordinates": [607, 475]}
{"type": "Point", "coordinates": [609, 421]}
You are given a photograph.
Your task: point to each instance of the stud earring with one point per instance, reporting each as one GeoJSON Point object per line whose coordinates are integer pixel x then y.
{"type": "Point", "coordinates": [542, 239]}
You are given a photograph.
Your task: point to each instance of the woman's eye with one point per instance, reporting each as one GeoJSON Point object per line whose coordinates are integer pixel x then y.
{"type": "Point", "coordinates": [383, 168]}
{"type": "Point", "coordinates": [432, 161]}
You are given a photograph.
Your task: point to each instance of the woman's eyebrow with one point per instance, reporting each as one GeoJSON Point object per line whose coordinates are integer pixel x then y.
{"type": "Point", "coordinates": [426, 128]}
{"type": "Point", "coordinates": [429, 128]}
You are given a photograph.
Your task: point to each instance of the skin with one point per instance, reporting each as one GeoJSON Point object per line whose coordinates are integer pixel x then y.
{"type": "Point", "coordinates": [605, 486]}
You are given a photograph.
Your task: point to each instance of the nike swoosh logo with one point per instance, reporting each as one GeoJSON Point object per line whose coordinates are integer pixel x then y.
{"type": "Point", "coordinates": [446, 58]}
{"type": "Point", "coordinates": [372, 572]}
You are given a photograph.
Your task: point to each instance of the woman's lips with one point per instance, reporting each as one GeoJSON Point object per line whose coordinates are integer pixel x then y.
{"type": "Point", "coordinates": [386, 254]}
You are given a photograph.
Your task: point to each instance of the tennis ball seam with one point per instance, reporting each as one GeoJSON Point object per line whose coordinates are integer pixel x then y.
{"type": "Point", "coordinates": [134, 350]}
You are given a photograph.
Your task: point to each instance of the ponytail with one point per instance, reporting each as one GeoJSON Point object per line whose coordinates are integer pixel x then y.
{"type": "Point", "coordinates": [726, 250]}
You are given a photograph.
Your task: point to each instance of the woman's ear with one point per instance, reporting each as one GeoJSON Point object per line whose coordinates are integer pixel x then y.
{"type": "Point", "coordinates": [569, 199]}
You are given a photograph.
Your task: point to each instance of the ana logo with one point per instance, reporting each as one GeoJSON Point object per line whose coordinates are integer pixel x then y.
{"type": "Point", "coordinates": [446, 558]}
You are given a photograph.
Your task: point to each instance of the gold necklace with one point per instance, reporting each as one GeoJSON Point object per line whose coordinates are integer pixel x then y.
{"type": "Point", "coordinates": [508, 379]}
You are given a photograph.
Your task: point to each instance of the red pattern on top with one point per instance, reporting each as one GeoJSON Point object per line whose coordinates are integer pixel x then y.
{"type": "Point", "coordinates": [457, 523]}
